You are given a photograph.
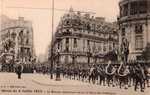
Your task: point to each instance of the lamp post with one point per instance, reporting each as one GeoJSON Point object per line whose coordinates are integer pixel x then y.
{"type": "Point", "coordinates": [51, 64]}
{"type": "Point", "coordinates": [58, 66]}
{"type": "Point", "coordinates": [89, 55]}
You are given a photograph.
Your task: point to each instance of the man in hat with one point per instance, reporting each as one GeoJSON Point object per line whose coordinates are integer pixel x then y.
{"type": "Point", "coordinates": [19, 70]}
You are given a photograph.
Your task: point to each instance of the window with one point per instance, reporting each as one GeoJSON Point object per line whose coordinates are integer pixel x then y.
{"type": "Point", "coordinates": [138, 37]}
{"type": "Point", "coordinates": [27, 41]}
{"type": "Point", "coordinates": [83, 44]}
{"type": "Point", "coordinates": [67, 40]}
{"type": "Point", "coordinates": [139, 42]}
{"type": "Point", "coordinates": [104, 49]}
{"type": "Point", "coordinates": [75, 43]}
{"type": "Point", "coordinates": [66, 59]}
{"type": "Point", "coordinates": [138, 29]}
{"type": "Point", "coordinates": [100, 48]}
{"type": "Point", "coordinates": [125, 10]}
{"type": "Point", "coordinates": [143, 7]}
{"type": "Point", "coordinates": [121, 11]}
{"type": "Point", "coordinates": [8, 33]}
{"type": "Point", "coordinates": [27, 33]}
{"type": "Point", "coordinates": [88, 27]}
{"type": "Point", "coordinates": [68, 15]}
{"type": "Point", "coordinates": [61, 46]}
{"type": "Point", "coordinates": [123, 32]}
{"type": "Point", "coordinates": [88, 45]}
{"type": "Point", "coordinates": [114, 45]}
{"type": "Point", "coordinates": [110, 47]}
{"type": "Point", "coordinates": [21, 33]}
{"type": "Point", "coordinates": [67, 23]}
{"type": "Point", "coordinates": [134, 8]}
{"type": "Point", "coordinates": [13, 35]}
{"type": "Point", "coordinates": [67, 44]}
{"type": "Point", "coordinates": [58, 47]}
{"type": "Point", "coordinates": [93, 27]}
{"type": "Point", "coordinates": [94, 47]}
{"type": "Point", "coordinates": [67, 30]}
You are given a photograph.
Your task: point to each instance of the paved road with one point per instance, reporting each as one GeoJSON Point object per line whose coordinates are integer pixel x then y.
{"type": "Point", "coordinates": [38, 84]}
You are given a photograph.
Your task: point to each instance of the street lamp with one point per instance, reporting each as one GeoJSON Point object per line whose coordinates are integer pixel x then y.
{"type": "Point", "coordinates": [51, 69]}
{"type": "Point", "coordinates": [58, 66]}
{"type": "Point", "coordinates": [89, 55]}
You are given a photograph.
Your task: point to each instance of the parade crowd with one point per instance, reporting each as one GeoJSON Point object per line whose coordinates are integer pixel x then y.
{"type": "Point", "coordinates": [136, 75]}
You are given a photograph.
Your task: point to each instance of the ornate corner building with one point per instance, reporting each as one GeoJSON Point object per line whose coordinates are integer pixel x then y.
{"type": "Point", "coordinates": [82, 40]}
{"type": "Point", "coordinates": [20, 33]}
{"type": "Point", "coordinates": [134, 24]}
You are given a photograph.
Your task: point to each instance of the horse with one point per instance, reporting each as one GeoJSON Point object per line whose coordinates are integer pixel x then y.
{"type": "Point", "coordinates": [110, 70]}
{"type": "Point", "coordinates": [123, 75]}
{"type": "Point", "coordinates": [93, 74]}
{"type": "Point", "coordinates": [102, 75]}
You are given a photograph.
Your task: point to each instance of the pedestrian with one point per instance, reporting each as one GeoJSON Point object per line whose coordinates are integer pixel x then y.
{"type": "Point", "coordinates": [19, 70]}
{"type": "Point", "coordinates": [139, 77]}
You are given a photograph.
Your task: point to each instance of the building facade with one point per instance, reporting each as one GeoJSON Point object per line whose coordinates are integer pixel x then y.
{"type": "Point", "coordinates": [81, 40]}
{"type": "Point", "coordinates": [134, 25]}
{"type": "Point", "coordinates": [16, 36]}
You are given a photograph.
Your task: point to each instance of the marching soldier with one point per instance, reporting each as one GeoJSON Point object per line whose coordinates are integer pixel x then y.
{"type": "Point", "coordinates": [139, 77]}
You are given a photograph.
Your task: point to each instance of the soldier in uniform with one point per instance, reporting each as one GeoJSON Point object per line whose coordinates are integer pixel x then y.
{"type": "Point", "coordinates": [139, 77]}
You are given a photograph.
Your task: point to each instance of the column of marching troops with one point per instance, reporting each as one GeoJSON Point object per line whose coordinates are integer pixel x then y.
{"type": "Point", "coordinates": [136, 75]}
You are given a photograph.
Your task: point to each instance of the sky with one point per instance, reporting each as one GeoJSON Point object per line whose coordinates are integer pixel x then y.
{"type": "Point", "coordinates": [39, 12]}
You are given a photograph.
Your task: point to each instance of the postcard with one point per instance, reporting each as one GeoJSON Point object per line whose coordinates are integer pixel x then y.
{"type": "Point", "coordinates": [74, 47]}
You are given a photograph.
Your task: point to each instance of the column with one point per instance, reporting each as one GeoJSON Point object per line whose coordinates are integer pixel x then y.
{"type": "Point", "coordinates": [145, 35]}
{"type": "Point", "coordinates": [148, 30]}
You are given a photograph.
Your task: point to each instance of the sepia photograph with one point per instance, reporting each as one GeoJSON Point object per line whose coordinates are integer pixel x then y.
{"type": "Point", "coordinates": [74, 47]}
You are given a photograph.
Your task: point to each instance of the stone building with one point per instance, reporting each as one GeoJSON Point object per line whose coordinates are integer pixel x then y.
{"type": "Point", "coordinates": [16, 36]}
{"type": "Point", "coordinates": [81, 40]}
{"type": "Point", "coordinates": [134, 25]}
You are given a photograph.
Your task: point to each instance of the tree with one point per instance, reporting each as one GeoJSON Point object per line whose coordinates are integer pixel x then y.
{"type": "Point", "coordinates": [8, 44]}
